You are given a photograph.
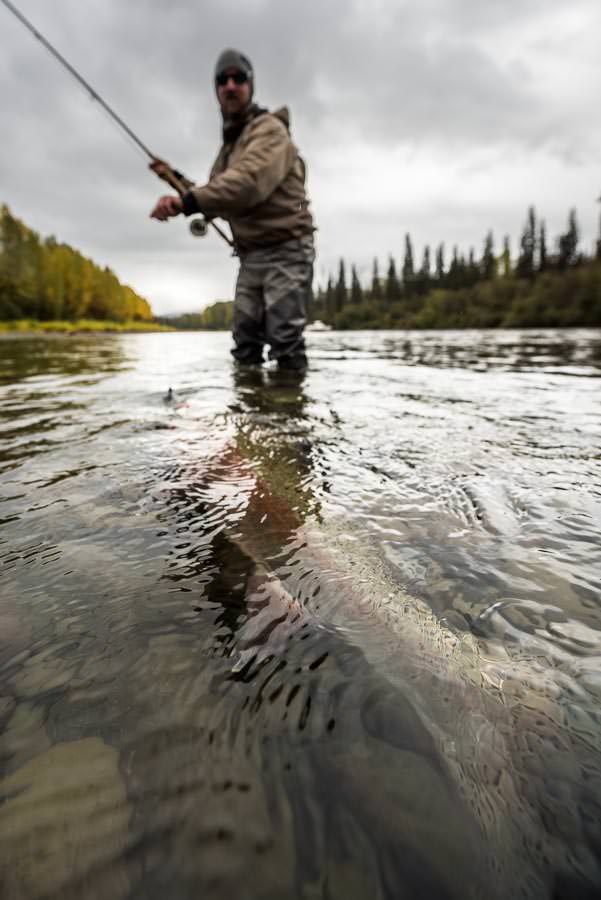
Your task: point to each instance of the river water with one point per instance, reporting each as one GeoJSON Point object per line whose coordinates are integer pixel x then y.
{"type": "Point", "coordinates": [326, 637]}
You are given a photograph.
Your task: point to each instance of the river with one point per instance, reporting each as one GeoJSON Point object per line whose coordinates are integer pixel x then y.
{"type": "Point", "coordinates": [336, 636]}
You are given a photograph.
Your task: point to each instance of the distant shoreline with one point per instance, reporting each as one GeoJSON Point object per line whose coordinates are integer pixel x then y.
{"type": "Point", "coordinates": [39, 331]}
{"type": "Point", "coordinates": [33, 328]}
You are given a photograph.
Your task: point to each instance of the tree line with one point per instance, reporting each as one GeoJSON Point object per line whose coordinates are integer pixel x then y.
{"type": "Point", "coordinates": [539, 288]}
{"type": "Point", "coordinates": [45, 280]}
{"type": "Point", "coordinates": [218, 316]}
{"type": "Point", "coordinates": [49, 281]}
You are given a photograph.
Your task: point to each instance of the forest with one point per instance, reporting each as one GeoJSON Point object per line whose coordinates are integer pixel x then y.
{"type": "Point", "coordinates": [43, 280]}
{"type": "Point", "coordinates": [538, 287]}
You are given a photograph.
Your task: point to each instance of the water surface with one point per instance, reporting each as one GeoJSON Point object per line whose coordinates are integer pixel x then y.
{"type": "Point", "coordinates": [328, 637]}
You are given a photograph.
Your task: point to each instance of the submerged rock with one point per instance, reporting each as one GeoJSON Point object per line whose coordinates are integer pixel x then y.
{"type": "Point", "coordinates": [63, 825]}
{"type": "Point", "coordinates": [25, 735]}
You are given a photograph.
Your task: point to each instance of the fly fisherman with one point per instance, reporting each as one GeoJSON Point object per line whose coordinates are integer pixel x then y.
{"type": "Point", "coordinates": [257, 184]}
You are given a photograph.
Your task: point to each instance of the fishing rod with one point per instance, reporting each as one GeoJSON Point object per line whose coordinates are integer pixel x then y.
{"type": "Point", "coordinates": [199, 225]}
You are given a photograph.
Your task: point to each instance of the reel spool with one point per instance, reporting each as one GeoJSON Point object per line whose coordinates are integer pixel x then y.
{"type": "Point", "coordinates": [199, 227]}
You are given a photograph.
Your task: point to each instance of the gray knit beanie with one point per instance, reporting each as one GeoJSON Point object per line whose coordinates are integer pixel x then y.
{"type": "Point", "coordinates": [233, 59]}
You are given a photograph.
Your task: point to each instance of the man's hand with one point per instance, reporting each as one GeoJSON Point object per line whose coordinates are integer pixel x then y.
{"type": "Point", "coordinates": [167, 207]}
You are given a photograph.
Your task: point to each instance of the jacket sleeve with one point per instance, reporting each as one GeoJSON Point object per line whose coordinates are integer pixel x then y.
{"type": "Point", "coordinates": [265, 162]}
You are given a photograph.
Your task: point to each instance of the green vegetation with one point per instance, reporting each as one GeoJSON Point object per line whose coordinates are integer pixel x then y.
{"type": "Point", "coordinates": [42, 281]}
{"type": "Point", "coordinates": [538, 289]}
{"type": "Point", "coordinates": [16, 326]}
{"type": "Point", "coordinates": [216, 317]}
{"type": "Point", "coordinates": [47, 286]}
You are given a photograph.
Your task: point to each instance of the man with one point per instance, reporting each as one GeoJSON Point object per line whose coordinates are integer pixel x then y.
{"type": "Point", "coordinates": [257, 184]}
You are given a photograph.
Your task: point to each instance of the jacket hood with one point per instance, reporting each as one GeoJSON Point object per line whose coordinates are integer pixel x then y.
{"type": "Point", "coordinates": [283, 114]}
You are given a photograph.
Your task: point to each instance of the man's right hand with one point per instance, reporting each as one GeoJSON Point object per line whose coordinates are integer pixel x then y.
{"type": "Point", "coordinates": [166, 208]}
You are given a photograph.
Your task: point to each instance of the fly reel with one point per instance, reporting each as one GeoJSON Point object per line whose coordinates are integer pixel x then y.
{"type": "Point", "coordinates": [199, 226]}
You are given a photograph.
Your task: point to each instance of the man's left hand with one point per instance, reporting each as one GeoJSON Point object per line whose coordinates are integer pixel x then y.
{"type": "Point", "coordinates": [167, 207]}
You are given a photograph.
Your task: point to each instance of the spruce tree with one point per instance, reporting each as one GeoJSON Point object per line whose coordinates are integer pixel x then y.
{"type": "Point", "coordinates": [453, 274]}
{"type": "Point", "coordinates": [392, 288]}
{"type": "Point", "coordinates": [488, 265]}
{"type": "Point", "coordinates": [525, 264]}
{"type": "Point", "coordinates": [408, 267]}
{"type": "Point", "coordinates": [375, 282]}
{"type": "Point", "coordinates": [330, 300]}
{"type": "Point", "coordinates": [319, 305]}
{"type": "Point", "coordinates": [568, 243]}
{"type": "Point", "coordinates": [340, 290]}
{"type": "Point", "coordinates": [542, 247]}
{"type": "Point", "coordinates": [472, 269]}
{"type": "Point", "coordinates": [424, 276]}
{"type": "Point", "coordinates": [462, 272]}
{"type": "Point", "coordinates": [440, 272]}
{"type": "Point", "coordinates": [356, 289]}
{"type": "Point", "coordinates": [506, 257]}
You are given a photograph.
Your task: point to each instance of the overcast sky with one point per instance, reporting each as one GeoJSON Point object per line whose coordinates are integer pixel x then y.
{"type": "Point", "coordinates": [442, 118]}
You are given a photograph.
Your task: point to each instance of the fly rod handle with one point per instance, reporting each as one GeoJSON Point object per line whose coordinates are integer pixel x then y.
{"type": "Point", "coordinates": [182, 186]}
{"type": "Point", "coordinates": [176, 183]}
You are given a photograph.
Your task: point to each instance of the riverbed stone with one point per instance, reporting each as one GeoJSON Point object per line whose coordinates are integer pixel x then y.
{"type": "Point", "coordinates": [7, 707]}
{"type": "Point", "coordinates": [25, 735]}
{"type": "Point", "coordinates": [41, 674]}
{"type": "Point", "coordinates": [63, 825]}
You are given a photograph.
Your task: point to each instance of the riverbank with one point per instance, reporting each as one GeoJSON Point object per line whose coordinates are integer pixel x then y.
{"type": "Point", "coordinates": [27, 327]}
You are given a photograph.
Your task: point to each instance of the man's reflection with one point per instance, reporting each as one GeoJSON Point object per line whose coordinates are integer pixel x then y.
{"type": "Point", "coordinates": [273, 434]}
{"type": "Point", "coordinates": [268, 459]}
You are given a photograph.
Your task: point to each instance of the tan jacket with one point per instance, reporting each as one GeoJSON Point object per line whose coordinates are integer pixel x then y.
{"type": "Point", "coordinates": [258, 185]}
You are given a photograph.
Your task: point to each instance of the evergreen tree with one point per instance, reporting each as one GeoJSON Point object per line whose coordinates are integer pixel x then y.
{"type": "Point", "coordinates": [488, 265]}
{"type": "Point", "coordinates": [542, 247]}
{"type": "Point", "coordinates": [376, 289]}
{"type": "Point", "coordinates": [525, 266]}
{"type": "Point", "coordinates": [568, 243]}
{"type": "Point", "coordinates": [330, 299]}
{"type": "Point", "coordinates": [356, 289]}
{"type": "Point", "coordinates": [598, 247]}
{"type": "Point", "coordinates": [472, 269]}
{"type": "Point", "coordinates": [453, 275]}
{"type": "Point", "coordinates": [340, 290]}
{"type": "Point", "coordinates": [424, 276]}
{"type": "Point", "coordinates": [506, 258]}
{"type": "Point", "coordinates": [440, 270]}
{"type": "Point", "coordinates": [462, 271]}
{"type": "Point", "coordinates": [408, 271]}
{"type": "Point", "coordinates": [319, 306]}
{"type": "Point", "coordinates": [392, 288]}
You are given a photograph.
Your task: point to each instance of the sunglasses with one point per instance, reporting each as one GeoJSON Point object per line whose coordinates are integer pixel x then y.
{"type": "Point", "coordinates": [237, 78]}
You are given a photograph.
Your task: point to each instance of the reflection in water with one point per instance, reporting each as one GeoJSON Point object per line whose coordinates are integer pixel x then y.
{"type": "Point", "coordinates": [481, 351]}
{"type": "Point", "coordinates": [31, 358]}
{"type": "Point", "coordinates": [45, 393]}
{"type": "Point", "coordinates": [263, 473]}
{"type": "Point", "coordinates": [332, 637]}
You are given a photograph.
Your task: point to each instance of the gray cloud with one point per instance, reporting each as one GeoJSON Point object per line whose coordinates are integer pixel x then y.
{"type": "Point", "coordinates": [460, 84]}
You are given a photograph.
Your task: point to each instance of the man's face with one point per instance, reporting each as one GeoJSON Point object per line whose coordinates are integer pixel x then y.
{"type": "Point", "coordinates": [233, 96]}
